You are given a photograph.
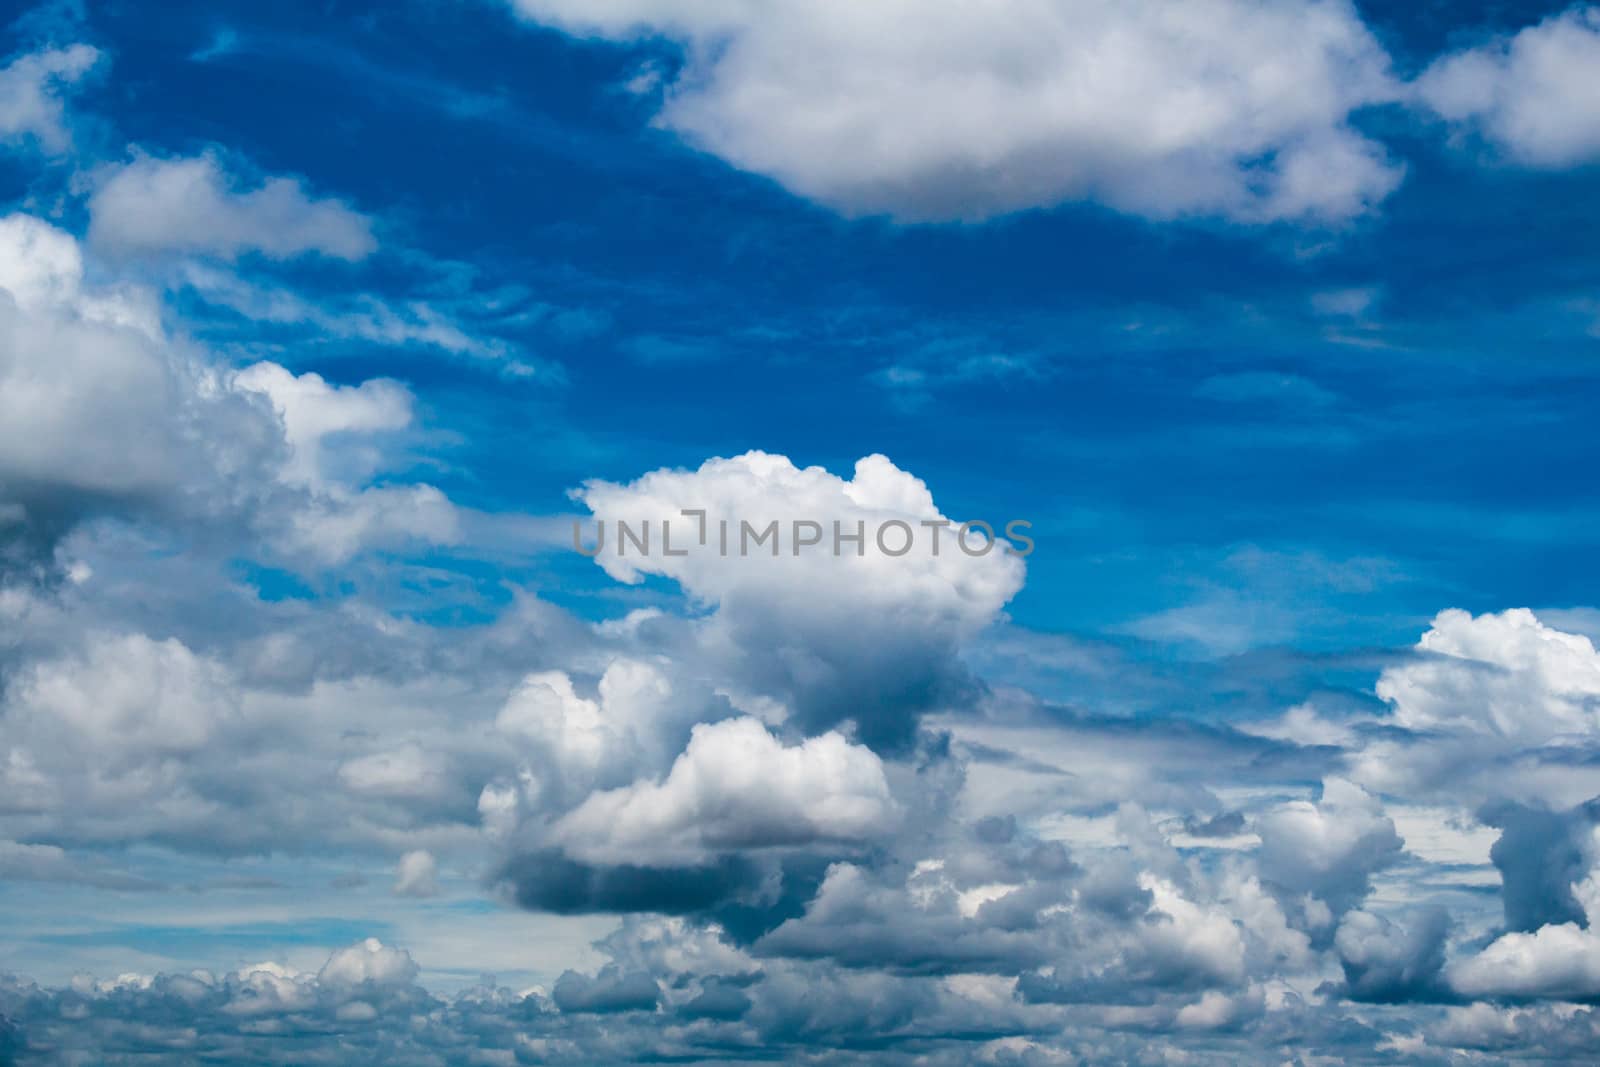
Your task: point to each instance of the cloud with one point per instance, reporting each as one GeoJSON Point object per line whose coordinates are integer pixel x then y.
{"type": "Point", "coordinates": [49, 863]}
{"type": "Point", "coordinates": [1531, 95]}
{"type": "Point", "coordinates": [1557, 1032]}
{"type": "Point", "coordinates": [928, 113]}
{"type": "Point", "coordinates": [578, 744]}
{"type": "Point", "coordinates": [103, 412]}
{"type": "Point", "coordinates": [334, 436]}
{"type": "Point", "coordinates": [1489, 709]}
{"type": "Point", "coordinates": [129, 693]}
{"type": "Point", "coordinates": [312, 410]}
{"type": "Point", "coordinates": [1541, 856]}
{"type": "Point", "coordinates": [1559, 960]}
{"type": "Point", "coordinates": [917, 924]}
{"type": "Point", "coordinates": [31, 88]}
{"type": "Point", "coordinates": [97, 407]}
{"type": "Point", "coordinates": [406, 771]}
{"type": "Point", "coordinates": [1506, 675]}
{"type": "Point", "coordinates": [449, 321]}
{"type": "Point", "coordinates": [264, 1009]}
{"type": "Point", "coordinates": [630, 802]}
{"type": "Point", "coordinates": [416, 875]}
{"type": "Point", "coordinates": [368, 966]}
{"type": "Point", "coordinates": [611, 990]}
{"type": "Point", "coordinates": [548, 880]}
{"type": "Point", "coordinates": [1329, 849]}
{"type": "Point", "coordinates": [1385, 963]}
{"type": "Point", "coordinates": [736, 787]}
{"type": "Point", "coordinates": [864, 635]}
{"type": "Point", "coordinates": [191, 206]}
{"type": "Point", "coordinates": [815, 829]}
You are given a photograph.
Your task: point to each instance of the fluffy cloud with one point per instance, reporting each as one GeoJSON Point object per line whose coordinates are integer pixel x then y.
{"type": "Point", "coordinates": [370, 965]}
{"type": "Point", "coordinates": [1158, 108]}
{"type": "Point", "coordinates": [334, 435]}
{"type": "Point", "coordinates": [103, 411]}
{"type": "Point", "coordinates": [1507, 675]}
{"type": "Point", "coordinates": [1492, 708]}
{"type": "Point", "coordinates": [1329, 849]}
{"type": "Point", "coordinates": [637, 723]}
{"type": "Point", "coordinates": [1560, 960]}
{"type": "Point", "coordinates": [926, 920]}
{"type": "Point", "coordinates": [30, 94]}
{"type": "Point", "coordinates": [651, 797]}
{"type": "Point", "coordinates": [129, 693]}
{"type": "Point", "coordinates": [865, 636]}
{"type": "Point", "coordinates": [1532, 95]}
{"type": "Point", "coordinates": [417, 874]}
{"type": "Point", "coordinates": [97, 407]}
{"type": "Point", "coordinates": [611, 990]}
{"type": "Point", "coordinates": [312, 410]}
{"type": "Point", "coordinates": [1542, 856]}
{"type": "Point", "coordinates": [1386, 963]}
{"type": "Point", "coordinates": [736, 787]}
{"type": "Point", "coordinates": [193, 206]}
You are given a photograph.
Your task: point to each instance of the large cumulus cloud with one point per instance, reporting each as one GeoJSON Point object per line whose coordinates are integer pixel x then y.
{"type": "Point", "coordinates": [952, 112]}
{"type": "Point", "coordinates": [834, 632]}
{"type": "Point", "coordinates": [105, 411]}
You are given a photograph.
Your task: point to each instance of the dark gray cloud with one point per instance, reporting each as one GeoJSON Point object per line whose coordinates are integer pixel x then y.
{"type": "Point", "coordinates": [611, 990]}
{"type": "Point", "coordinates": [1388, 963]}
{"type": "Point", "coordinates": [1541, 855]}
{"type": "Point", "coordinates": [548, 880]}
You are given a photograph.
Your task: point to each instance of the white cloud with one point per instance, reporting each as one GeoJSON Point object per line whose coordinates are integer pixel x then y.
{"type": "Point", "coordinates": [334, 526]}
{"type": "Point", "coordinates": [312, 410]}
{"type": "Point", "coordinates": [92, 395]}
{"type": "Point", "coordinates": [1329, 849]}
{"type": "Point", "coordinates": [192, 206]}
{"type": "Point", "coordinates": [333, 434]}
{"type": "Point", "coordinates": [1533, 95]}
{"type": "Point", "coordinates": [417, 875]}
{"type": "Point", "coordinates": [861, 635]}
{"type": "Point", "coordinates": [759, 488]}
{"type": "Point", "coordinates": [131, 693]}
{"type": "Point", "coordinates": [1505, 675]}
{"type": "Point", "coordinates": [102, 410]}
{"type": "Point", "coordinates": [736, 787]}
{"type": "Point", "coordinates": [370, 964]}
{"type": "Point", "coordinates": [406, 771]}
{"type": "Point", "coordinates": [1301, 725]}
{"type": "Point", "coordinates": [30, 94]}
{"type": "Point", "coordinates": [1557, 960]}
{"type": "Point", "coordinates": [1195, 938]}
{"type": "Point", "coordinates": [1161, 108]}
{"type": "Point", "coordinates": [1490, 707]}
{"type": "Point", "coordinates": [579, 743]}
{"type": "Point", "coordinates": [364, 317]}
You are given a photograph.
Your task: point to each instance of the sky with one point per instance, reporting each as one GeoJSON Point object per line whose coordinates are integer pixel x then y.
{"type": "Point", "coordinates": [326, 328]}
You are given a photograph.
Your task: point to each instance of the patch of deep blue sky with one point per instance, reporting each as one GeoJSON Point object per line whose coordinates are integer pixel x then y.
{"type": "Point", "coordinates": [1155, 397]}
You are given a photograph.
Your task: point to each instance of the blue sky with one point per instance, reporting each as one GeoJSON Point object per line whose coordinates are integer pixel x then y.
{"type": "Point", "coordinates": [323, 322]}
{"type": "Point", "coordinates": [1114, 378]}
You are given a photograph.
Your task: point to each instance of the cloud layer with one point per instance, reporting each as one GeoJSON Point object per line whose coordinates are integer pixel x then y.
{"type": "Point", "coordinates": [812, 796]}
